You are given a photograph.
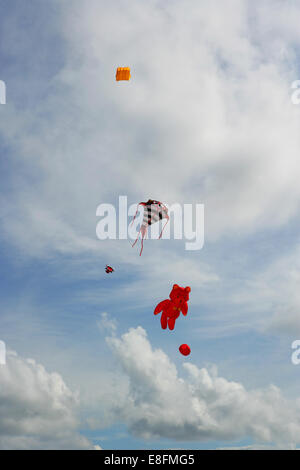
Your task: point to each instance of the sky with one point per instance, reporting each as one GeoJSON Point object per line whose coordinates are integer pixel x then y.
{"type": "Point", "coordinates": [209, 118]}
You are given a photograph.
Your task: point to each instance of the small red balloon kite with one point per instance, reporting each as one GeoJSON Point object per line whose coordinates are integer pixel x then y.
{"type": "Point", "coordinates": [172, 307]}
{"type": "Point", "coordinates": [185, 349]}
{"type": "Point", "coordinates": [109, 269]}
{"type": "Point", "coordinates": [153, 212]}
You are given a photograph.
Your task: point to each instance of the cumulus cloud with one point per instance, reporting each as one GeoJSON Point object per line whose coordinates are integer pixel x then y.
{"type": "Point", "coordinates": [201, 406]}
{"type": "Point", "coordinates": [107, 323]}
{"type": "Point", "coordinates": [37, 409]}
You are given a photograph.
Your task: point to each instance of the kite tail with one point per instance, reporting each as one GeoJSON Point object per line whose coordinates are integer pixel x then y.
{"type": "Point", "coordinates": [132, 223]}
{"type": "Point", "coordinates": [163, 229]}
{"type": "Point", "coordinates": [143, 230]}
{"type": "Point", "coordinates": [142, 246]}
{"type": "Point", "coordinates": [137, 209]}
{"type": "Point", "coordinates": [136, 239]}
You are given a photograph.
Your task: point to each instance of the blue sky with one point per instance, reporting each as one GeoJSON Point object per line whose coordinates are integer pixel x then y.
{"type": "Point", "coordinates": [206, 118]}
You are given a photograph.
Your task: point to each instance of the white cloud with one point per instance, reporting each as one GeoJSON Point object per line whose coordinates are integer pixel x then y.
{"type": "Point", "coordinates": [207, 116]}
{"type": "Point", "coordinates": [107, 323]}
{"type": "Point", "coordinates": [201, 406]}
{"type": "Point", "coordinates": [37, 409]}
{"type": "Point", "coordinates": [271, 294]}
{"type": "Point", "coordinates": [259, 447]}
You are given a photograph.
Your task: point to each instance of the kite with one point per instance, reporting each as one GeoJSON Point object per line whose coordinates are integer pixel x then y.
{"type": "Point", "coordinates": [109, 269]}
{"type": "Point", "coordinates": [153, 212]}
{"type": "Point", "coordinates": [172, 307]}
{"type": "Point", "coordinates": [123, 73]}
{"type": "Point", "coordinates": [185, 349]}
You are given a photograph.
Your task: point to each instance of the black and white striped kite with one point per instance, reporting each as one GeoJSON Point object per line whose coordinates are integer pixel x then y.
{"type": "Point", "coordinates": [154, 211]}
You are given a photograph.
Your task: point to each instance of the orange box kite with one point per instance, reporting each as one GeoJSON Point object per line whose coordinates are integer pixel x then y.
{"type": "Point", "coordinates": [123, 73]}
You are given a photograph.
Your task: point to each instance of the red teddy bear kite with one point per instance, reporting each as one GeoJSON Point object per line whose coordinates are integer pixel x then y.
{"type": "Point", "coordinates": [171, 308]}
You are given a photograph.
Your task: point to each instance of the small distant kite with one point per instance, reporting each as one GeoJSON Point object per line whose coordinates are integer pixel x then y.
{"type": "Point", "coordinates": [172, 307]}
{"type": "Point", "coordinates": [109, 269]}
{"type": "Point", "coordinates": [123, 73]}
{"type": "Point", "coordinates": [153, 212]}
{"type": "Point", "coordinates": [185, 349]}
